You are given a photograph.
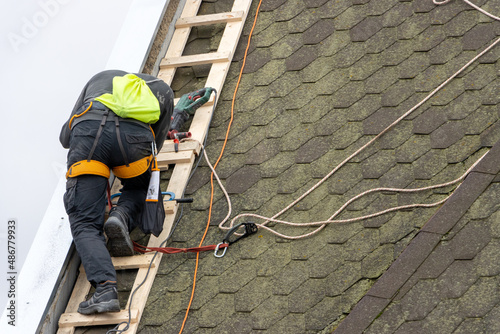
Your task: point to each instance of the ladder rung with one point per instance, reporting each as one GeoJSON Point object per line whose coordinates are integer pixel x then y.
{"type": "Point", "coordinates": [132, 262]}
{"type": "Point", "coordinates": [170, 158]}
{"type": "Point", "coordinates": [204, 58]}
{"type": "Point", "coordinates": [110, 318]}
{"type": "Point", "coordinates": [201, 20]}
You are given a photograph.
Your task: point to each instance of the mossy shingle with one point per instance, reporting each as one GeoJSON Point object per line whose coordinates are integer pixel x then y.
{"type": "Point", "coordinates": [321, 79]}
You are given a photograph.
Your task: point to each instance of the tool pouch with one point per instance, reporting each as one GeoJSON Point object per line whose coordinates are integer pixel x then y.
{"type": "Point", "coordinates": [153, 214]}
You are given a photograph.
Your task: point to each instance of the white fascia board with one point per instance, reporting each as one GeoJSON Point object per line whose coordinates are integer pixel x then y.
{"type": "Point", "coordinates": [42, 266]}
{"type": "Point", "coordinates": [47, 255]}
{"type": "Point", "coordinates": [136, 35]}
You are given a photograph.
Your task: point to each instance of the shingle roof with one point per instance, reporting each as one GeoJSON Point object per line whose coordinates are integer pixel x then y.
{"type": "Point", "coordinates": [322, 78]}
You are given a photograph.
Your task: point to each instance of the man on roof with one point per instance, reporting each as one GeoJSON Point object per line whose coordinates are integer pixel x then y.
{"type": "Point", "coordinates": [118, 124]}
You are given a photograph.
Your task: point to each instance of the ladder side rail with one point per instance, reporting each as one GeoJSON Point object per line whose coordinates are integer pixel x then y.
{"type": "Point", "coordinates": [177, 184]}
{"type": "Point", "coordinates": [218, 71]}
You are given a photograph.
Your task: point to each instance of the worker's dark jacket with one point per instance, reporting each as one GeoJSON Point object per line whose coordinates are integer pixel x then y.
{"type": "Point", "coordinates": [102, 83]}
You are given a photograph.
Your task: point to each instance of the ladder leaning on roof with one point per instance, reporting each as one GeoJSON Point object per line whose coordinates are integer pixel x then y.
{"type": "Point", "coordinates": [183, 159]}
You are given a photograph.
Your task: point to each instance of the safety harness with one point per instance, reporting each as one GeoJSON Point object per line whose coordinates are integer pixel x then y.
{"type": "Point", "coordinates": [94, 167]}
{"type": "Point", "coordinates": [131, 100]}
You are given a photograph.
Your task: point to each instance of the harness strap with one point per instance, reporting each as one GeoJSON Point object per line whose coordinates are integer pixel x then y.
{"type": "Point", "coordinates": [83, 167]}
{"type": "Point", "coordinates": [133, 169]}
{"type": "Point", "coordinates": [99, 132]}
{"type": "Point", "coordinates": [95, 167]}
{"type": "Point", "coordinates": [118, 137]}
{"type": "Point", "coordinates": [79, 115]}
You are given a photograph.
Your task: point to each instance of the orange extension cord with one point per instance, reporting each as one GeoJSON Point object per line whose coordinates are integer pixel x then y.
{"type": "Point", "coordinates": [215, 165]}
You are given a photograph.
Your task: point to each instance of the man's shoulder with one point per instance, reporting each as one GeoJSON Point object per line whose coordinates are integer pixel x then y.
{"type": "Point", "coordinates": [146, 77]}
{"type": "Point", "coordinates": [119, 73]}
{"type": "Point", "coordinates": [154, 83]}
{"type": "Point", "coordinates": [107, 74]}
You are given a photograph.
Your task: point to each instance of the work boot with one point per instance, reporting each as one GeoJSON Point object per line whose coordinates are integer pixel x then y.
{"type": "Point", "coordinates": [116, 228]}
{"type": "Point", "coordinates": [104, 299]}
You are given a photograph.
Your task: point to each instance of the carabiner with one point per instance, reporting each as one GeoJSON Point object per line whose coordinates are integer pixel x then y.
{"type": "Point", "coordinates": [154, 151]}
{"type": "Point", "coordinates": [217, 250]}
{"type": "Point", "coordinates": [250, 228]}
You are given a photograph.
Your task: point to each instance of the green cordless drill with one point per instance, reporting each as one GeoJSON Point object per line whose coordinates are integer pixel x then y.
{"type": "Point", "coordinates": [186, 106]}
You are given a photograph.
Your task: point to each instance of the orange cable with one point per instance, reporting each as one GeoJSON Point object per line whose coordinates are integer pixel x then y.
{"type": "Point", "coordinates": [216, 163]}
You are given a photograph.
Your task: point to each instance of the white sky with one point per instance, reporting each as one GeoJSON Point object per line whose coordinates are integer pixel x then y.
{"type": "Point", "coordinates": [48, 51]}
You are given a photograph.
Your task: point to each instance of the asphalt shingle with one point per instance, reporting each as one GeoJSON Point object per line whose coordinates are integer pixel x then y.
{"type": "Point", "coordinates": [477, 37]}
{"type": "Point", "coordinates": [366, 29]}
{"type": "Point", "coordinates": [321, 79]}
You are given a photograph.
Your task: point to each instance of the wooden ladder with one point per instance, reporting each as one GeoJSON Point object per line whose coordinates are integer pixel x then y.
{"type": "Point", "coordinates": [183, 159]}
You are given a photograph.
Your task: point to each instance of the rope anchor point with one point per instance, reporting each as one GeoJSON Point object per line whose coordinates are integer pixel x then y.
{"type": "Point", "coordinates": [250, 228]}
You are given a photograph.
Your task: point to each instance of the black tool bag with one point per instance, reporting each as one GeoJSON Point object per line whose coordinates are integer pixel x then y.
{"type": "Point", "coordinates": [153, 214]}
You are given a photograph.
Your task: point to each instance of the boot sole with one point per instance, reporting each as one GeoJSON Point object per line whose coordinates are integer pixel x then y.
{"type": "Point", "coordinates": [119, 239]}
{"type": "Point", "coordinates": [109, 306]}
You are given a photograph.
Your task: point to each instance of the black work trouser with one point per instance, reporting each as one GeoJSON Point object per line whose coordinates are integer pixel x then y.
{"type": "Point", "coordinates": [85, 197]}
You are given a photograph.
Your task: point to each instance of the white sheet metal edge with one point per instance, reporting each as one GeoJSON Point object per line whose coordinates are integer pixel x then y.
{"type": "Point", "coordinates": [43, 265]}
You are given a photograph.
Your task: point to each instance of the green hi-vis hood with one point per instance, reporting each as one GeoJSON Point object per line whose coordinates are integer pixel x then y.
{"type": "Point", "coordinates": [132, 98]}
